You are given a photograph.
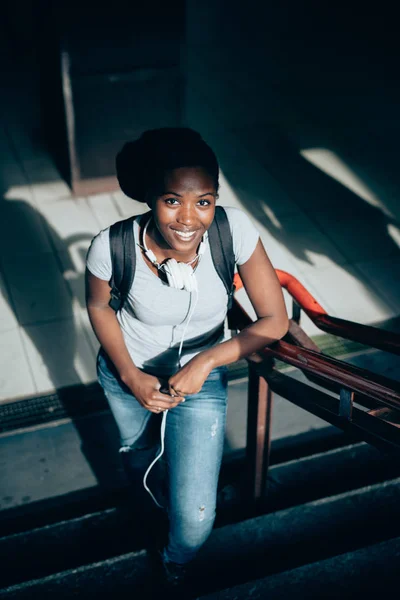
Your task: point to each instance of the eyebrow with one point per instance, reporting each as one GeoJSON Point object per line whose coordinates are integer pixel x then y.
{"type": "Point", "coordinates": [180, 196]}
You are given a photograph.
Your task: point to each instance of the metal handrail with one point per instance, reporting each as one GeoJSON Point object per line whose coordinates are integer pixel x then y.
{"type": "Point", "coordinates": [382, 389]}
{"type": "Point", "coordinates": [366, 390]}
{"type": "Point", "coordinates": [364, 334]}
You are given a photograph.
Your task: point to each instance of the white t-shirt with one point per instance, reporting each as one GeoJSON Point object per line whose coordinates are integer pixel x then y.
{"type": "Point", "coordinates": [154, 316]}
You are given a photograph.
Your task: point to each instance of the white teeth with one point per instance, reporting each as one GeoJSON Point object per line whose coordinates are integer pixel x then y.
{"type": "Point", "coordinates": [185, 235]}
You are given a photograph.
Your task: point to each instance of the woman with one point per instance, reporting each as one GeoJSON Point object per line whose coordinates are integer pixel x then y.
{"type": "Point", "coordinates": [165, 337]}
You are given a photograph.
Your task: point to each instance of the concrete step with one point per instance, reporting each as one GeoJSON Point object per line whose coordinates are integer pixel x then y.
{"type": "Point", "coordinates": [332, 472]}
{"type": "Point", "coordinates": [241, 552]}
{"type": "Point", "coordinates": [364, 573]}
{"type": "Point", "coordinates": [51, 502]}
{"type": "Point", "coordinates": [304, 534]}
{"type": "Point", "coordinates": [121, 529]}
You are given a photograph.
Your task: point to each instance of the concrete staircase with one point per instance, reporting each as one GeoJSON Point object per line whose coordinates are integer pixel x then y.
{"type": "Point", "coordinates": [330, 528]}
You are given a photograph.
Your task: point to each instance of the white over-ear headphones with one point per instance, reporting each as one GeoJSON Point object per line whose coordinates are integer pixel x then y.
{"type": "Point", "coordinates": [180, 275]}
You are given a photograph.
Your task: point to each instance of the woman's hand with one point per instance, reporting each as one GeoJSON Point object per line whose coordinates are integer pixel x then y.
{"type": "Point", "coordinates": [146, 390]}
{"type": "Point", "coordinates": [190, 379]}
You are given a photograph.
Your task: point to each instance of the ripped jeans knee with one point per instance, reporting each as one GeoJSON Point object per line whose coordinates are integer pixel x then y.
{"type": "Point", "coordinates": [189, 532]}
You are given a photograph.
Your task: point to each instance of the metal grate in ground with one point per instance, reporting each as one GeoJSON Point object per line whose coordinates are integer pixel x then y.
{"type": "Point", "coordinates": [74, 402]}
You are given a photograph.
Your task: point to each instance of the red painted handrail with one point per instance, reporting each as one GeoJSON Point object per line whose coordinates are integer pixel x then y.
{"type": "Point", "coordinates": [364, 334]}
{"type": "Point", "coordinates": [382, 389]}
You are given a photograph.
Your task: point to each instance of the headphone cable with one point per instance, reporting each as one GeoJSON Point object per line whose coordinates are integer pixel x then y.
{"type": "Point", "coordinates": [164, 416]}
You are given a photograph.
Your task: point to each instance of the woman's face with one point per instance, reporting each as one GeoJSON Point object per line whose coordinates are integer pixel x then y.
{"type": "Point", "coordinates": [184, 209]}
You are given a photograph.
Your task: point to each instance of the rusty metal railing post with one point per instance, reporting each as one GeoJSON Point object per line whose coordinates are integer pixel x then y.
{"type": "Point", "coordinates": [259, 416]}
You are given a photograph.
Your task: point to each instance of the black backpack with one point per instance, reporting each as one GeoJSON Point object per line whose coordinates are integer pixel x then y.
{"type": "Point", "coordinates": [123, 256]}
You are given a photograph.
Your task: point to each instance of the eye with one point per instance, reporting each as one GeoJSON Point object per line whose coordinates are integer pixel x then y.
{"type": "Point", "coordinates": [204, 202]}
{"type": "Point", "coordinates": [171, 201]}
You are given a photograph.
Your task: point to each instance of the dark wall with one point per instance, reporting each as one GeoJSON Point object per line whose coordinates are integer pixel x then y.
{"type": "Point", "coordinates": [335, 66]}
{"type": "Point", "coordinates": [307, 74]}
{"type": "Point", "coordinates": [114, 72]}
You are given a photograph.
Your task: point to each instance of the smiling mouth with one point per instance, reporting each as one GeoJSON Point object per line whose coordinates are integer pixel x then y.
{"type": "Point", "coordinates": [185, 235]}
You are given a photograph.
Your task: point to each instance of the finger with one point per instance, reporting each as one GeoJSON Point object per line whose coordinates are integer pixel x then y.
{"type": "Point", "coordinates": [166, 398]}
{"type": "Point", "coordinates": [162, 403]}
{"type": "Point", "coordinates": [153, 404]}
{"type": "Point", "coordinates": [165, 403]}
{"type": "Point", "coordinates": [156, 411]}
{"type": "Point", "coordinates": [160, 409]}
{"type": "Point", "coordinates": [174, 392]}
{"type": "Point", "coordinates": [157, 406]}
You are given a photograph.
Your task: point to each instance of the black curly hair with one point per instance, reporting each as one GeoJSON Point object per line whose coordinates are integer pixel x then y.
{"type": "Point", "coordinates": [142, 164]}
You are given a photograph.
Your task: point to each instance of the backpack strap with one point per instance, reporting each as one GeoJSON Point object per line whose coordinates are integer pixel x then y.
{"type": "Point", "coordinates": [221, 246]}
{"type": "Point", "coordinates": [123, 261]}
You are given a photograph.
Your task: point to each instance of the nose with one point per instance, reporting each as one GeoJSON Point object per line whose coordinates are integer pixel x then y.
{"type": "Point", "coordinates": [186, 215]}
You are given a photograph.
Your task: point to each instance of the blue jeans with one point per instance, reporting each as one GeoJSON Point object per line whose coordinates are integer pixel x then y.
{"type": "Point", "coordinates": [194, 441]}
